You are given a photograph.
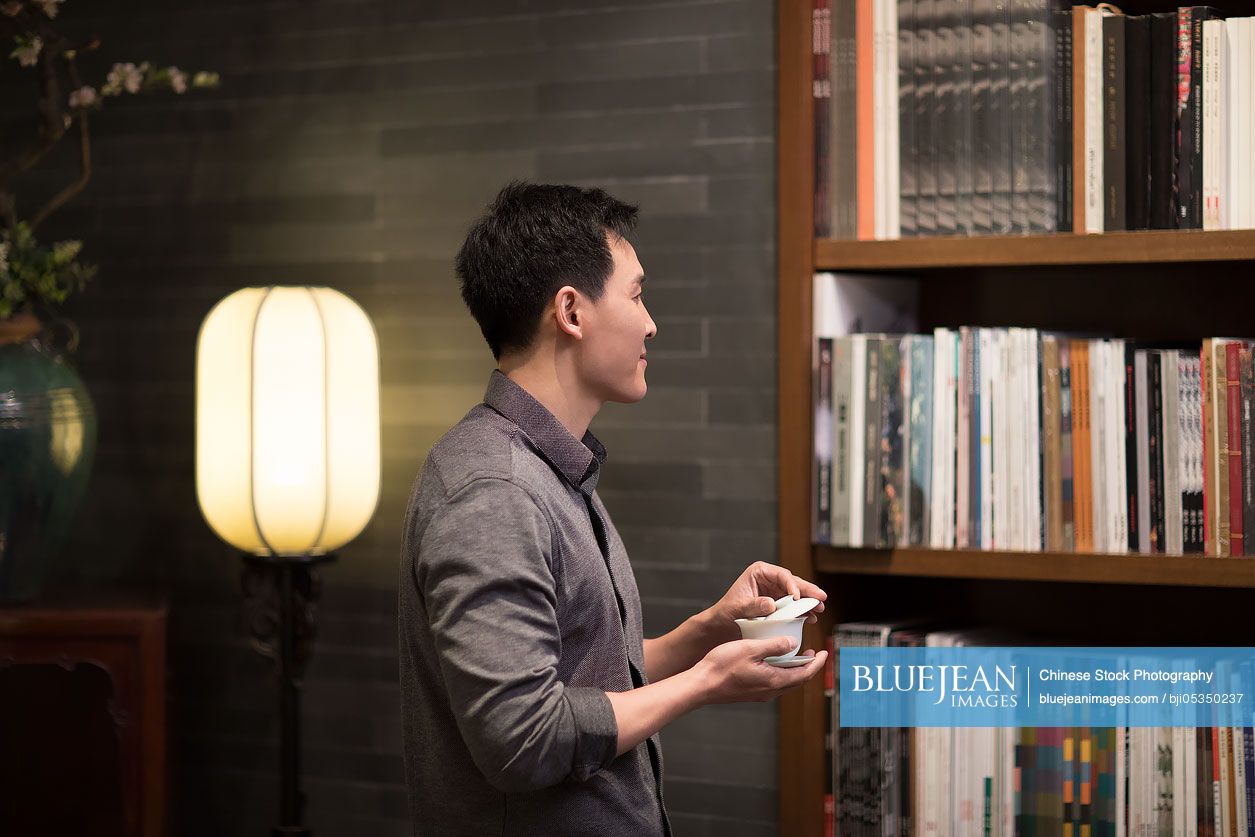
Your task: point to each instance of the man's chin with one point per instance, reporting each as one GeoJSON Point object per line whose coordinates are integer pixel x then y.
{"type": "Point", "coordinates": [630, 395]}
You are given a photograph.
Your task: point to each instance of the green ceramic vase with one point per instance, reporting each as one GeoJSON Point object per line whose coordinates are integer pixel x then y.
{"type": "Point", "coordinates": [47, 443]}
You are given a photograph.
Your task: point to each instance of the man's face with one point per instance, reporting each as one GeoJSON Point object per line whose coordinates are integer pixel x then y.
{"type": "Point", "coordinates": [612, 359]}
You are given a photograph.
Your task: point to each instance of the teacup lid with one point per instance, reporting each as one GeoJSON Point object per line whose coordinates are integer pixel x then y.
{"type": "Point", "coordinates": [788, 608]}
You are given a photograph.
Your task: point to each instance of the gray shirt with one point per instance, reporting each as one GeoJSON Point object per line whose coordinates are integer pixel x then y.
{"type": "Point", "coordinates": [518, 612]}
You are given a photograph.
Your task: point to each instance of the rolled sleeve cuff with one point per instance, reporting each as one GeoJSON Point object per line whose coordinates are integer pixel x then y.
{"type": "Point", "coordinates": [596, 730]}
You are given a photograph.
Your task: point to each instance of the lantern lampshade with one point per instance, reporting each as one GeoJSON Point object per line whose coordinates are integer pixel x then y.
{"type": "Point", "coordinates": [287, 420]}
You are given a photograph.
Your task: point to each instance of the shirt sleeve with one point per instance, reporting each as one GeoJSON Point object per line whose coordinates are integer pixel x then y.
{"type": "Point", "coordinates": [484, 572]}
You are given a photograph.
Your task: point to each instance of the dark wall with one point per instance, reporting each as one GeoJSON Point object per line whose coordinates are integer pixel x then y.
{"type": "Point", "coordinates": [350, 145]}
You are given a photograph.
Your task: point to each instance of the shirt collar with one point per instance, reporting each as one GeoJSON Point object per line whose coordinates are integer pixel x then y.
{"type": "Point", "coordinates": [578, 460]}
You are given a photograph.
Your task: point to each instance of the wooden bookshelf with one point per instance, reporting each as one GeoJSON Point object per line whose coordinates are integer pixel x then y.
{"type": "Point", "coordinates": [1188, 570]}
{"type": "Point", "coordinates": [1161, 284]}
{"type": "Point", "coordinates": [1061, 249]}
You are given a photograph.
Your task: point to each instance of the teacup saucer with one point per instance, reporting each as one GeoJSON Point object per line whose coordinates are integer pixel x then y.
{"type": "Point", "coordinates": [788, 662]}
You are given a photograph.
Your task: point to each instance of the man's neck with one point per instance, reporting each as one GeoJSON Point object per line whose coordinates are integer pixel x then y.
{"type": "Point", "coordinates": [556, 389]}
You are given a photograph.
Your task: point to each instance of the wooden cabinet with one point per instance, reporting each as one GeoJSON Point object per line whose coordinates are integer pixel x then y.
{"type": "Point", "coordinates": [82, 717]}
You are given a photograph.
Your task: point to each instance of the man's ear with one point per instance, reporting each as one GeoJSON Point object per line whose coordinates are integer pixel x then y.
{"type": "Point", "coordinates": [567, 303]}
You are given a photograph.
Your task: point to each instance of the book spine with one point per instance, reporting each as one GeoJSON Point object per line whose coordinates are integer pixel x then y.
{"type": "Point", "coordinates": [1221, 459]}
{"type": "Point", "coordinates": [858, 435]}
{"type": "Point", "coordinates": [1193, 218]}
{"type": "Point", "coordinates": [1130, 445]}
{"type": "Point", "coordinates": [961, 116]}
{"type": "Point", "coordinates": [892, 124]}
{"type": "Point", "coordinates": [925, 121]}
{"type": "Point", "coordinates": [822, 521]}
{"type": "Point", "coordinates": [941, 428]}
{"type": "Point", "coordinates": [945, 13]}
{"type": "Point", "coordinates": [1211, 127]}
{"type": "Point", "coordinates": [1017, 72]}
{"type": "Point", "coordinates": [1172, 453]}
{"type": "Point", "coordinates": [843, 122]}
{"type": "Point", "coordinates": [1141, 372]}
{"type": "Point", "coordinates": [1209, 449]}
{"type": "Point", "coordinates": [1247, 396]}
{"type": "Point", "coordinates": [842, 378]}
{"type": "Point", "coordinates": [864, 33]}
{"type": "Point", "coordinates": [909, 498]}
{"type": "Point", "coordinates": [830, 735]}
{"type": "Point", "coordinates": [1186, 135]}
{"type": "Point", "coordinates": [821, 94]}
{"type": "Point", "coordinates": [982, 127]}
{"type": "Point", "coordinates": [908, 144]}
{"type": "Point", "coordinates": [963, 441]}
{"type": "Point", "coordinates": [1192, 417]}
{"type": "Point", "coordinates": [1053, 495]}
{"type": "Point", "coordinates": [922, 416]}
{"type": "Point", "coordinates": [1061, 29]}
{"type": "Point", "coordinates": [892, 459]}
{"type": "Point", "coordinates": [1039, 88]}
{"type": "Point", "coordinates": [1078, 118]}
{"type": "Point", "coordinates": [1094, 189]}
{"type": "Point", "coordinates": [1081, 457]}
{"type": "Point", "coordinates": [1163, 98]}
{"type": "Point", "coordinates": [1000, 115]}
{"type": "Point", "coordinates": [980, 534]}
{"type": "Point", "coordinates": [871, 431]}
{"type": "Point", "coordinates": [1137, 67]}
{"type": "Point", "coordinates": [1067, 490]}
{"type": "Point", "coordinates": [1233, 404]}
{"type": "Point", "coordinates": [1155, 448]}
{"type": "Point", "coordinates": [1114, 171]}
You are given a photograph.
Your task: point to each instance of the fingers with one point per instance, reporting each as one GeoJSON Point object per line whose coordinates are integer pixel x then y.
{"type": "Point", "coordinates": [779, 578]}
{"type": "Point", "coordinates": [773, 647]}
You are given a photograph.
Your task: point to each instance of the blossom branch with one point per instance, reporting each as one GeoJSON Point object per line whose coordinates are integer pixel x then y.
{"type": "Point", "coordinates": [84, 147]}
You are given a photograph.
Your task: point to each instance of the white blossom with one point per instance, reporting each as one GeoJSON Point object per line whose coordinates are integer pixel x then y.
{"type": "Point", "coordinates": [121, 77]}
{"type": "Point", "coordinates": [48, 7]}
{"type": "Point", "coordinates": [11, 8]}
{"type": "Point", "coordinates": [27, 51]}
{"type": "Point", "coordinates": [68, 120]}
{"type": "Point", "coordinates": [84, 97]}
{"type": "Point", "coordinates": [178, 80]}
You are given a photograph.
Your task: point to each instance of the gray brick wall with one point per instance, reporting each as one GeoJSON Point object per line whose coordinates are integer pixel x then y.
{"type": "Point", "coordinates": [350, 145]}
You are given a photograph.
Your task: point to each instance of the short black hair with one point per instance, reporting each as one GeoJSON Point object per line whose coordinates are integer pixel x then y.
{"type": "Point", "coordinates": [534, 239]}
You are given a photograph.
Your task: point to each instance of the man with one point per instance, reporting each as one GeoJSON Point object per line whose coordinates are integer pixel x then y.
{"type": "Point", "coordinates": [531, 702]}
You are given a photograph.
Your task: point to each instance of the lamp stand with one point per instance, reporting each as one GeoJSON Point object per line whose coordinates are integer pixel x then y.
{"type": "Point", "coordinates": [280, 598]}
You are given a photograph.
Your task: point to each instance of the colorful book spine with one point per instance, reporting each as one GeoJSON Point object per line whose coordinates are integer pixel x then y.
{"type": "Point", "coordinates": [866, 122]}
{"type": "Point", "coordinates": [1233, 403]}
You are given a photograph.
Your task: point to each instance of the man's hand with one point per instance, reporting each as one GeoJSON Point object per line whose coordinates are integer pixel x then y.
{"type": "Point", "coordinates": [755, 594]}
{"type": "Point", "coordinates": [735, 671]}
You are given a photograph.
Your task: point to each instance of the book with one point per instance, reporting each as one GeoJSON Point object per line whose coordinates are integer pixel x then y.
{"type": "Point", "coordinates": [821, 93]}
{"type": "Point", "coordinates": [842, 157]}
{"type": "Point", "coordinates": [1115, 185]}
{"type": "Point", "coordinates": [1137, 104]}
{"type": "Point", "coordinates": [1162, 134]}
{"type": "Point", "coordinates": [865, 97]}
{"type": "Point", "coordinates": [1247, 398]}
{"type": "Point", "coordinates": [1061, 29]}
{"type": "Point", "coordinates": [924, 116]}
{"type": "Point", "coordinates": [908, 144]}
{"type": "Point", "coordinates": [916, 498]}
{"type": "Point", "coordinates": [1233, 461]}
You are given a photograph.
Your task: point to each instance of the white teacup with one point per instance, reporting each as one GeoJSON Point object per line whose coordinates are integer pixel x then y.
{"type": "Point", "coordinates": [768, 628]}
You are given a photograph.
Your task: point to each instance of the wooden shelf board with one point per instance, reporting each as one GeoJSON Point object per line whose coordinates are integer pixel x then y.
{"type": "Point", "coordinates": [1172, 570]}
{"type": "Point", "coordinates": [1062, 249]}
